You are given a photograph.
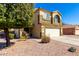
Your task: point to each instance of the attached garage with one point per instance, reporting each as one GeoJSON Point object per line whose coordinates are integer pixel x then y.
{"type": "Point", "coordinates": [52, 32]}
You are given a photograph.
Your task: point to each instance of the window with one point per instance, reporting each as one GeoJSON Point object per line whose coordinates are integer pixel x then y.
{"type": "Point", "coordinates": [56, 19]}
{"type": "Point", "coordinates": [46, 16]}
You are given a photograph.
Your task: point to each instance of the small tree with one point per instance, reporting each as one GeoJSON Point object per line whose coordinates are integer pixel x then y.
{"type": "Point", "coordinates": [15, 16]}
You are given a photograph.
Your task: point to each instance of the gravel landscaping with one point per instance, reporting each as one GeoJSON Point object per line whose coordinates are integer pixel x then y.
{"type": "Point", "coordinates": [33, 47]}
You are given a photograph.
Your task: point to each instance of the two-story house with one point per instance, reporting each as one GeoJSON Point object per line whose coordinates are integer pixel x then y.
{"type": "Point", "coordinates": [47, 23]}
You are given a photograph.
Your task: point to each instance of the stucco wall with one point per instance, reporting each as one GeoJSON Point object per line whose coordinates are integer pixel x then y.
{"type": "Point", "coordinates": [37, 27]}
{"type": "Point", "coordinates": [77, 30]}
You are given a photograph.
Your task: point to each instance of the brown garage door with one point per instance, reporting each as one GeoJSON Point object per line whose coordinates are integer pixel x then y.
{"type": "Point", "coordinates": [68, 31]}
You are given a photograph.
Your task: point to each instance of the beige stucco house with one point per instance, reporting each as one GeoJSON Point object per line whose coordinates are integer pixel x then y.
{"type": "Point", "coordinates": [46, 22]}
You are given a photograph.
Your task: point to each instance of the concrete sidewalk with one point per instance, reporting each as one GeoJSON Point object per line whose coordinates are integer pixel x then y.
{"type": "Point", "coordinates": [74, 40]}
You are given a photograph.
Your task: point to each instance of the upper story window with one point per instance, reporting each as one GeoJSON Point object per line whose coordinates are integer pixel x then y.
{"type": "Point", "coordinates": [56, 19]}
{"type": "Point", "coordinates": [46, 16]}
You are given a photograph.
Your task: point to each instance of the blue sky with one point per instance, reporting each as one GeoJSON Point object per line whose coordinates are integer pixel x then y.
{"type": "Point", "coordinates": [69, 11]}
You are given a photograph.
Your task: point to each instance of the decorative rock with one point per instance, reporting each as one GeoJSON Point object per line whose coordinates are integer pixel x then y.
{"type": "Point", "coordinates": [72, 49]}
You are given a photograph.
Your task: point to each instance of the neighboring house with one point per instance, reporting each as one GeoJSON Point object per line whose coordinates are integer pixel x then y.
{"type": "Point", "coordinates": [48, 23]}
{"type": "Point", "coordinates": [70, 30]}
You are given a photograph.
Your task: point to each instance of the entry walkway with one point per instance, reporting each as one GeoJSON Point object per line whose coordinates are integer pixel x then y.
{"type": "Point", "coordinates": [70, 39]}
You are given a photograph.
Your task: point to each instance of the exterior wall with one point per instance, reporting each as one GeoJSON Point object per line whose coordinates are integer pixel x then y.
{"type": "Point", "coordinates": [36, 31]}
{"type": "Point", "coordinates": [37, 27]}
{"type": "Point", "coordinates": [77, 30]}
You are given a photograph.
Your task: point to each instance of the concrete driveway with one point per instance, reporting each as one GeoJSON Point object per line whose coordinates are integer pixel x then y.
{"type": "Point", "coordinates": [70, 39]}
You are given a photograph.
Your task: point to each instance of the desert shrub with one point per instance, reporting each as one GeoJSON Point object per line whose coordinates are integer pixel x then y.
{"type": "Point", "coordinates": [45, 39]}
{"type": "Point", "coordinates": [24, 36]}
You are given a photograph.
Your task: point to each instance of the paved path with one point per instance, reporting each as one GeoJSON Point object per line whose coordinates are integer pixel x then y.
{"type": "Point", "coordinates": [70, 39]}
{"type": "Point", "coordinates": [32, 47]}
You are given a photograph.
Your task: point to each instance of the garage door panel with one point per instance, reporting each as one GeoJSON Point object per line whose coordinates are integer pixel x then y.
{"type": "Point", "coordinates": [52, 32]}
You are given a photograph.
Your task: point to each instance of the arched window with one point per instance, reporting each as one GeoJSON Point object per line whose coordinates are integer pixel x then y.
{"type": "Point", "coordinates": [56, 19]}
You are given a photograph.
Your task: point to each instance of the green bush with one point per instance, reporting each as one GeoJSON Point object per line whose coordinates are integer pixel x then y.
{"type": "Point", "coordinates": [11, 35]}
{"type": "Point", "coordinates": [45, 39]}
{"type": "Point", "coordinates": [23, 37]}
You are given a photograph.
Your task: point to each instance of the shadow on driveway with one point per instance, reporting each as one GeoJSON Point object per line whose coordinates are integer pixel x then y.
{"type": "Point", "coordinates": [3, 45]}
